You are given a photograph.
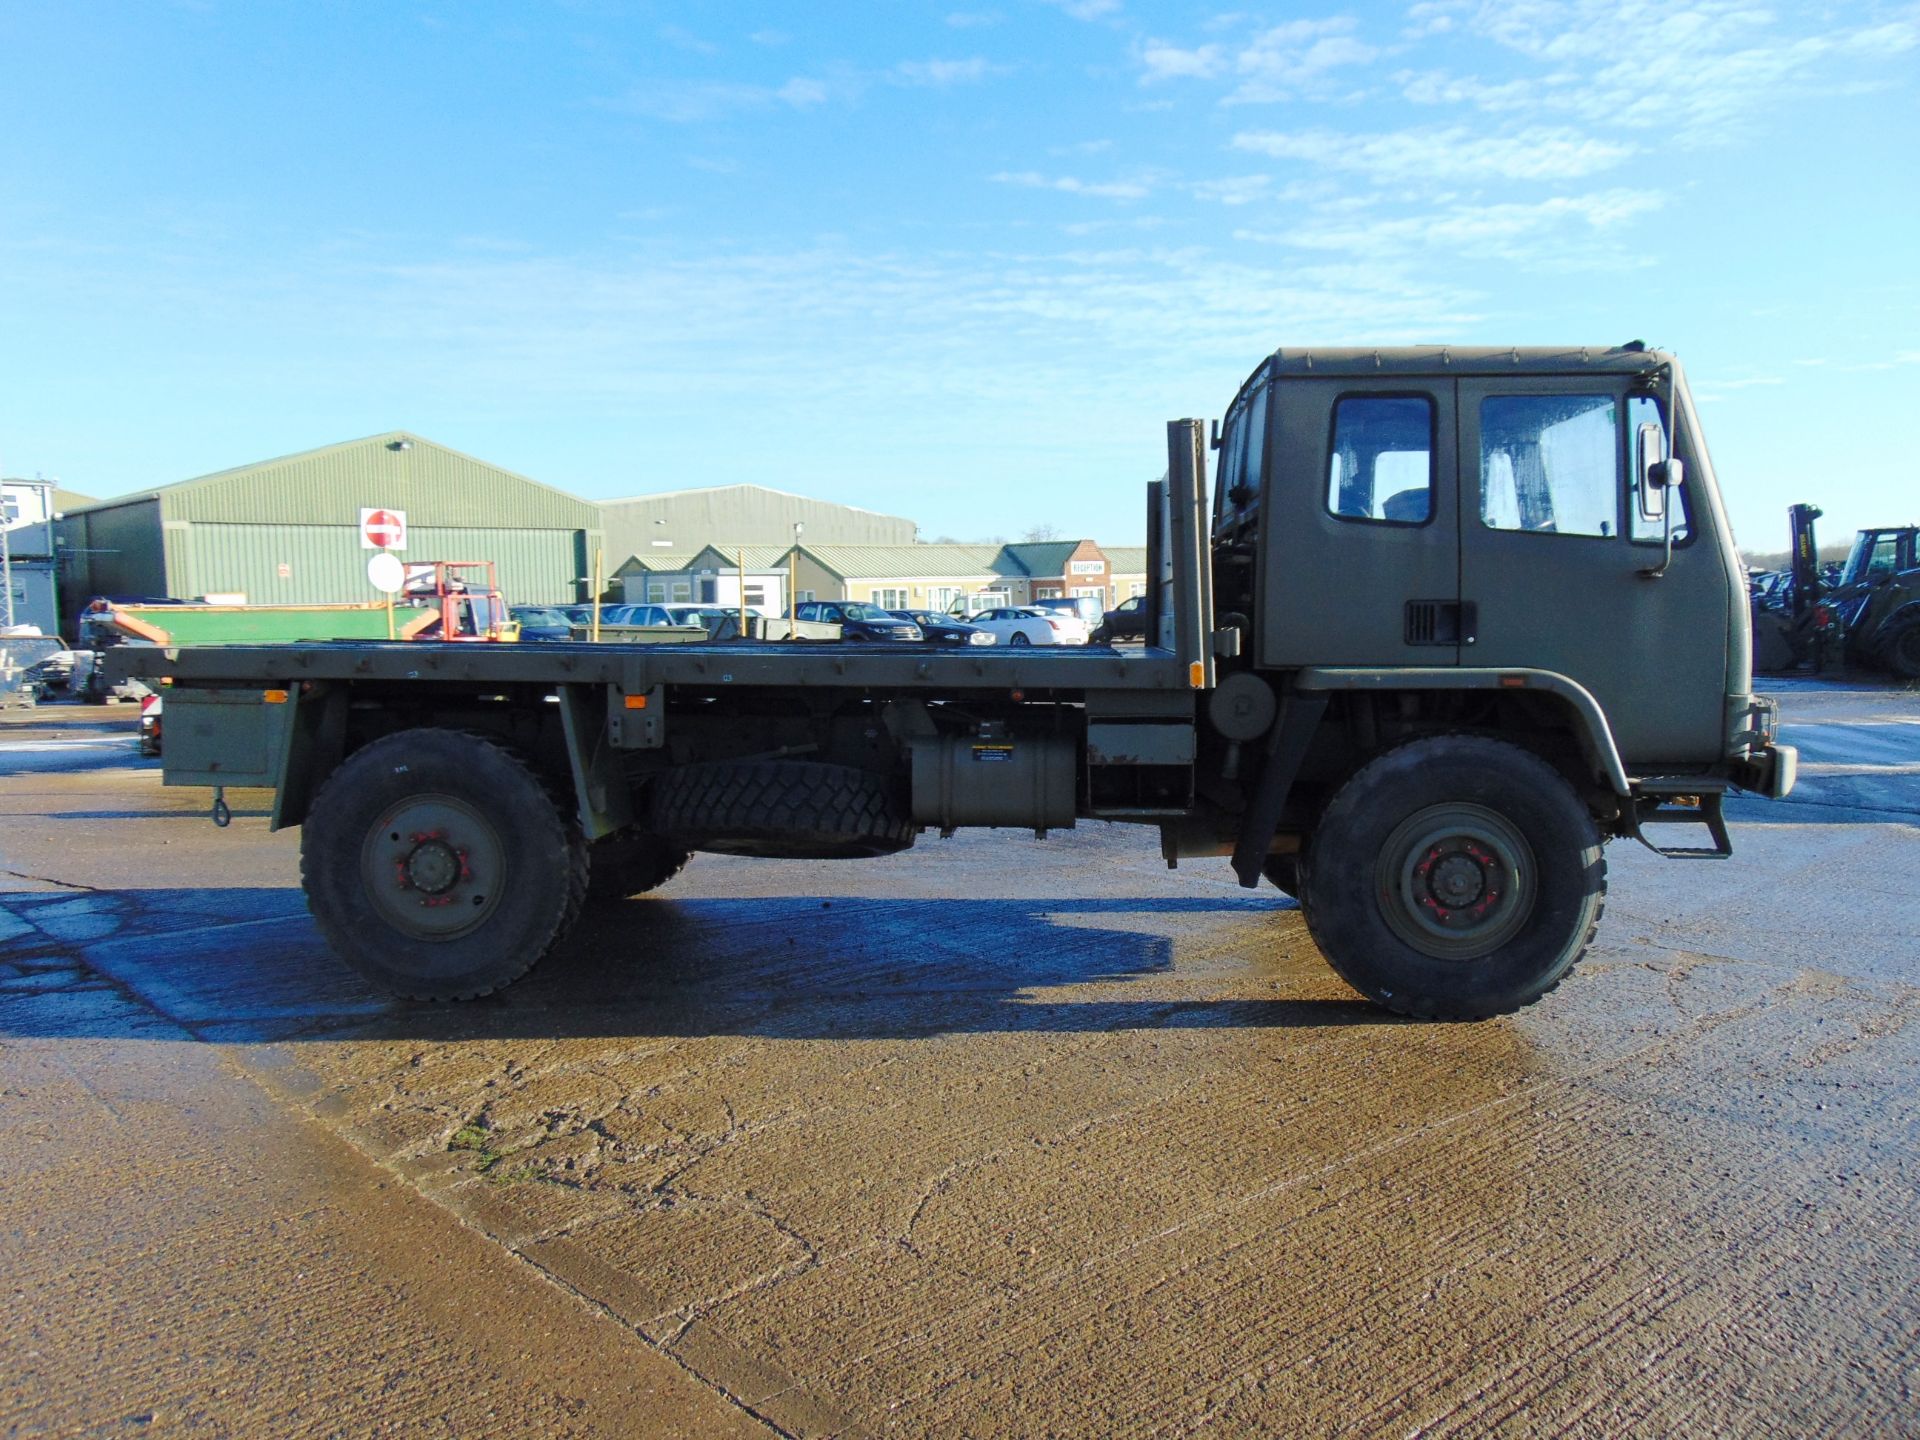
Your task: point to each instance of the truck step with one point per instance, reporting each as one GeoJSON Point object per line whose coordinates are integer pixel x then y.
{"type": "Point", "coordinates": [1666, 802]}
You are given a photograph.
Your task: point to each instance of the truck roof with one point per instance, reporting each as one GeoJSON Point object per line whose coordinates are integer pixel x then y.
{"type": "Point", "coordinates": [1631, 358]}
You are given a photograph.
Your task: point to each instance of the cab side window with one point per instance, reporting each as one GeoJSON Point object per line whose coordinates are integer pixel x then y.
{"type": "Point", "coordinates": [1381, 465]}
{"type": "Point", "coordinates": [1644, 410]}
{"type": "Point", "coordinates": [1550, 464]}
{"type": "Point", "coordinates": [1245, 471]}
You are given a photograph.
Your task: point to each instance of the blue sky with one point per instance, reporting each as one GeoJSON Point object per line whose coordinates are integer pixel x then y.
{"type": "Point", "coordinates": [954, 263]}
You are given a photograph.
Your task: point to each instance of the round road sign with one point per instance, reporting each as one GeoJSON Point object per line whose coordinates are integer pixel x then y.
{"type": "Point", "coordinates": [386, 574]}
{"type": "Point", "coordinates": [383, 529]}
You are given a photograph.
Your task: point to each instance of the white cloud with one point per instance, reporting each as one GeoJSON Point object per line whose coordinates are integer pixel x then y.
{"type": "Point", "coordinates": [942, 73]}
{"type": "Point", "coordinates": [1558, 231]}
{"type": "Point", "coordinates": [1450, 154]}
{"type": "Point", "coordinates": [1704, 72]}
{"type": "Point", "coordinates": [685, 102]}
{"type": "Point", "coordinates": [1285, 60]}
{"type": "Point", "coordinates": [1087, 9]}
{"type": "Point", "coordinates": [1162, 61]}
{"type": "Point", "coordinates": [1068, 184]}
{"type": "Point", "coordinates": [1234, 190]}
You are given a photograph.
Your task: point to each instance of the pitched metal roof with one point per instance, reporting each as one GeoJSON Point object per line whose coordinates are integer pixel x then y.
{"type": "Point", "coordinates": [859, 562]}
{"type": "Point", "coordinates": [1126, 559]}
{"type": "Point", "coordinates": [1044, 558]}
{"type": "Point", "coordinates": [434, 484]}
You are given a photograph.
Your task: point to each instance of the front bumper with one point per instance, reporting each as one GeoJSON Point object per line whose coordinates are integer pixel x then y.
{"type": "Point", "coordinates": [1769, 771]}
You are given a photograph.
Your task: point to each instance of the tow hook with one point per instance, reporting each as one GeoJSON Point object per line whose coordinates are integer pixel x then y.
{"type": "Point", "coordinates": [222, 816]}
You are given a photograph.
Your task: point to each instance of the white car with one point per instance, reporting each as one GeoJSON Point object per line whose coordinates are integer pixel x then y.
{"type": "Point", "coordinates": [1023, 625]}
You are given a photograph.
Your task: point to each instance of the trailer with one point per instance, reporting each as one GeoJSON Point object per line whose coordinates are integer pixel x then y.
{"type": "Point", "coordinates": [1451, 620]}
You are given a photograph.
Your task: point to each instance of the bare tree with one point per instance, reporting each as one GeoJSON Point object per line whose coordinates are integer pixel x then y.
{"type": "Point", "coordinates": [1041, 532]}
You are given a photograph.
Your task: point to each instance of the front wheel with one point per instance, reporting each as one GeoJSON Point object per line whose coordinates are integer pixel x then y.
{"type": "Point", "coordinates": [438, 865]}
{"type": "Point", "coordinates": [1454, 878]}
{"type": "Point", "coordinates": [1903, 650]}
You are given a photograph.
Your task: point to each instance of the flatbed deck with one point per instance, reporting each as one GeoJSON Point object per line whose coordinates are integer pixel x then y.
{"type": "Point", "coordinates": [637, 667]}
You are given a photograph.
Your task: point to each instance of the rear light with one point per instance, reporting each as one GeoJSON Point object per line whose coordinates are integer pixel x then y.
{"type": "Point", "coordinates": [1059, 626]}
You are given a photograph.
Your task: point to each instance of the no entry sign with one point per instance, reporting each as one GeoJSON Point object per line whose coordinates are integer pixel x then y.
{"type": "Point", "coordinates": [383, 529]}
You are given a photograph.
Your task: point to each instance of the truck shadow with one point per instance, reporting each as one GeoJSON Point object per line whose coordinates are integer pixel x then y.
{"type": "Point", "coordinates": [247, 965]}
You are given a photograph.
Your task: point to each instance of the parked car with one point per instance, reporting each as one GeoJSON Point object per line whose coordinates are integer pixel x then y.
{"type": "Point", "coordinates": [705, 616]}
{"type": "Point", "coordinates": [543, 624]}
{"type": "Point", "coordinates": [1126, 621]}
{"type": "Point", "coordinates": [1024, 625]}
{"type": "Point", "coordinates": [1084, 606]}
{"type": "Point", "coordinates": [858, 620]}
{"type": "Point", "coordinates": [150, 706]}
{"type": "Point", "coordinates": [631, 617]}
{"type": "Point", "coordinates": [946, 629]}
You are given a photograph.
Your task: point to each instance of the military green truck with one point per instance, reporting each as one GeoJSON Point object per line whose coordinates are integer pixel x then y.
{"type": "Point", "coordinates": [1454, 619]}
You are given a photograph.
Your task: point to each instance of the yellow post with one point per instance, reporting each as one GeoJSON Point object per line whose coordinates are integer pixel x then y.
{"type": "Point", "coordinates": [598, 560]}
{"type": "Point", "coordinates": [740, 560]}
{"type": "Point", "coordinates": [389, 615]}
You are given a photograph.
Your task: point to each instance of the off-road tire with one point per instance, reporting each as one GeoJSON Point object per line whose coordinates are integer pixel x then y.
{"type": "Point", "coordinates": [789, 809]}
{"type": "Point", "coordinates": [528, 900]}
{"type": "Point", "coordinates": [1902, 649]}
{"type": "Point", "coordinates": [631, 861]}
{"type": "Point", "coordinates": [1348, 884]}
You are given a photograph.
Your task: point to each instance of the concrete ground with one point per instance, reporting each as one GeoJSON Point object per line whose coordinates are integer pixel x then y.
{"type": "Point", "coordinates": [999, 1137]}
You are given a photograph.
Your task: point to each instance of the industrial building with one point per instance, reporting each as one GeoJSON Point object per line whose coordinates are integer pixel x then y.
{"type": "Point", "coordinates": [287, 531]}
{"type": "Point", "coordinates": [682, 522]}
{"type": "Point", "coordinates": [28, 582]}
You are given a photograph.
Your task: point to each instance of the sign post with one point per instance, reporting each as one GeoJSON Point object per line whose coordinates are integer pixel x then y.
{"type": "Point", "coordinates": [385, 573]}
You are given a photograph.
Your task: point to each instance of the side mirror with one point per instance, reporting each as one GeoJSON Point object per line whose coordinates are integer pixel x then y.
{"type": "Point", "coordinates": [1657, 473]}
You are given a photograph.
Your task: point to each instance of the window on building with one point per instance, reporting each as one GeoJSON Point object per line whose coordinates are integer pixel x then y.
{"type": "Point", "coordinates": [941, 597]}
{"type": "Point", "coordinates": [890, 599]}
{"type": "Point", "coordinates": [683, 590]}
{"type": "Point", "coordinates": [1550, 464]}
{"type": "Point", "coordinates": [756, 595]}
{"type": "Point", "coordinates": [1381, 466]}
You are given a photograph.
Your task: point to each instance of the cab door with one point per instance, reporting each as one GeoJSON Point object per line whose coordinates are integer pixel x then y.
{"type": "Point", "coordinates": [1566, 574]}
{"type": "Point", "coordinates": [1361, 524]}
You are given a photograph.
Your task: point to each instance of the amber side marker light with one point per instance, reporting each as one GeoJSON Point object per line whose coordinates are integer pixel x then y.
{"type": "Point", "coordinates": [274, 697]}
{"type": "Point", "coordinates": [636, 702]}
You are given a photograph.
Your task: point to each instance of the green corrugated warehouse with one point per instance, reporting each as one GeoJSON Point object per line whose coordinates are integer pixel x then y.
{"type": "Point", "coordinates": [286, 531]}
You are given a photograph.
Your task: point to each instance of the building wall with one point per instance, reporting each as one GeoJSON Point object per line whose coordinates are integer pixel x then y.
{"type": "Point", "coordinates": [111, 550]}
{"type": "Point", "coordinates": [325, 564]}
{"type": "Point", "coordinates": [34, 600]}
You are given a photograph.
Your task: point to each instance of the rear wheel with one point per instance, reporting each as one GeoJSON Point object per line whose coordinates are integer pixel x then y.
{"type": "Point", "coordinates": [1019, 637]}
{"type": "Point", "coordinates": [438, 865]}
{"type": "Point", "coordinates": [1454, 878]}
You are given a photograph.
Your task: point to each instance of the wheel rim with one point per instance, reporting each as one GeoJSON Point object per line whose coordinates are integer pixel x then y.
{"type": "Point", "coordinates": [1019, 639]}
{"type": "Point", "coordinates": [434, 866]}
{"type": "Point", "coordinates": [1456, 881]}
